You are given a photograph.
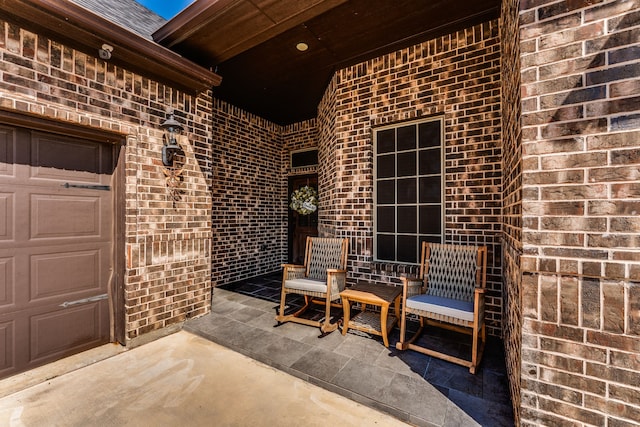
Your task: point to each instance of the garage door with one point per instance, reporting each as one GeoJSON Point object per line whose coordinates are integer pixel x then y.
{"type": "Point", "coordinates": [55, 246]}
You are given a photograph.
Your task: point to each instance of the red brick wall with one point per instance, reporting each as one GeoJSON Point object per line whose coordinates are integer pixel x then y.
{"type": "Point", "coordinates": [167, 242]}
{"type": "Point", "coordinates": [249, 195]}
{"type": "Point", "coordinates": [457, 76]}
{"type": "Point", "coordinates": [581, 198]}
{"type": "Point", "coordinates": [298, 136]}
{"type": "Point", "coordinates": [251, 165]}
{"type": "Point", "coordinates": [512, 197]}
{"type": "Point", "coordinates": [327, 165]}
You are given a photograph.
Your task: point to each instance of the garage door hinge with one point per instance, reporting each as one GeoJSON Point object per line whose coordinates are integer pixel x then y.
{"type": "Point", "coordinates": [84, 300]}
{"type": "Point", "coordinates": [90, 187]}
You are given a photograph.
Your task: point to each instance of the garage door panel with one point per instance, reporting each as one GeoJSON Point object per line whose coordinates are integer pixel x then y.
{"type": "Point", "coordinates": [63, 273]}
{"type": "Point", "coordinates": [66, 159]}
{"type": "Point", "coordinates": [7, 151]}
{"type": "Point", "coordinates": [7, 345]}
{"type": "Point", "coordinates": [6, 216]}
{"type": "Point", "coordinates": [64, 331]}
{"type": "Point", "coordinates": [64, 216]}
{"type": "Point", "coordinates": [7, 281]}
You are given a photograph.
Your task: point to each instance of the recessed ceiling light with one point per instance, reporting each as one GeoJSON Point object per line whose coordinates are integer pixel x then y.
{"type": "Point", "coordinates": [302, 46]}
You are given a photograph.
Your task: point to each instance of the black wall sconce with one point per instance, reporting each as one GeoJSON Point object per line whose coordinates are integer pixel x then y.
{"type": "Point", "coordinates": [172, 130]}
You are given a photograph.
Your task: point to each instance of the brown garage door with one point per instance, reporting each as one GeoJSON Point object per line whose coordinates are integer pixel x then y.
{"type": "Point", "coordinates": [55, 246]}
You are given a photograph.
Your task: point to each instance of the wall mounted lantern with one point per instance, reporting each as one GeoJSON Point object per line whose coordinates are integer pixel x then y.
{"type": "Point", "coordinates": [172, 130]}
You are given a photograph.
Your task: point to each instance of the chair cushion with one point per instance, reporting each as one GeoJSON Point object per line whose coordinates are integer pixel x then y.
{"type": "Point", "coordinates": [444, 306]}
{"type": "Point", "coordinates": [306, 285]}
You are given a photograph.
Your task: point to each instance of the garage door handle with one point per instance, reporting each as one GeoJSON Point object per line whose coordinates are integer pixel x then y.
{"type": "Point", "coordinates": [90, 187]}
{"type": "Point", "coordinates": [84, 300]}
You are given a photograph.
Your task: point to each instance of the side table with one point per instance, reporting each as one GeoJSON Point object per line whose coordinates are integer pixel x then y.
{"type": "Point", "coordinates": [376, 295]}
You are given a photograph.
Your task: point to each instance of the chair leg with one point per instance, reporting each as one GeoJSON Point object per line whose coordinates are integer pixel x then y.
{"type": "Point", "coordinates": [404, 343]}
{"type": "Point", "coordinates": [474, 350]}
{"type": "Point", "coordinates": [401, 344]}
{"type": "Point", "coordinates": [281, 317]}
{"type": "Point", "coordinates": [327, 326]}
{"type": "Point", "coordinates": [477, 349]}
{"type": "Point", "coordinates": [283, 299]}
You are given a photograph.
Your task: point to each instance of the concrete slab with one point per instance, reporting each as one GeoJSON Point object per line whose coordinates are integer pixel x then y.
{"type": "Point", "coordinates": [181, 379]}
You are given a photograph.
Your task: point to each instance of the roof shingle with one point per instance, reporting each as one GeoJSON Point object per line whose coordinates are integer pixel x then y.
{"type": "Point", "coordinates": [126, 13]}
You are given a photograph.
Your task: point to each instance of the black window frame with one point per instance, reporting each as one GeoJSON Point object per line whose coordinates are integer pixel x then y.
{"type": "Point", "coordinates": [398, 240]}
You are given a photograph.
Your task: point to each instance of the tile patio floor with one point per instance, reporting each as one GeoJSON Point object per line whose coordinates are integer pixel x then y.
{"type": "Point", "coordinates": [410, 386]}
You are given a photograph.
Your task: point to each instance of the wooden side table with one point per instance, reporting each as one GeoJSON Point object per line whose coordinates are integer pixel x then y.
{"type": "Point", "coordinates": [376, 295]}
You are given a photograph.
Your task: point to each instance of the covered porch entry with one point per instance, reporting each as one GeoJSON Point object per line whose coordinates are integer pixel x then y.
{"type": "Point", "coordinates": [410, 386]}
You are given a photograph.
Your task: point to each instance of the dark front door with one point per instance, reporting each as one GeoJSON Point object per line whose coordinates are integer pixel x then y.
{"type": "Point", "coordinates": [301, 226]}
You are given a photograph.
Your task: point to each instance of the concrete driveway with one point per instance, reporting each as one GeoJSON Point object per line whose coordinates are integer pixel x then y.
{"type": "Point", "coordinates": [179, 380]}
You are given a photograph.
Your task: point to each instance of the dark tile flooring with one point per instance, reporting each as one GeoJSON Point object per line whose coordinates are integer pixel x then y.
{"type": "Point", "coordinates": [410, 386]}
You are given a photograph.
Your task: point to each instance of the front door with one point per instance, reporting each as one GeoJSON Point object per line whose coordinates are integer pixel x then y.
{"type": "Point", "coordinates": [301, 226]}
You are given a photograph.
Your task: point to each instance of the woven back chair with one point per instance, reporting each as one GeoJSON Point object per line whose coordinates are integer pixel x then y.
{"type": "Point", "coordinates": [320, 280]}
{"type": "Point", "coordinates": [448, 293]}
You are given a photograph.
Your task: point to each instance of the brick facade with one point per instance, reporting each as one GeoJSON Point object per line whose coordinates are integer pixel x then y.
{"type": "Point", "coordinates": [580, 170]}
{"type": "Point", "coordinates": [167, 239]}
{"type": "Point", "coordinates": [512, 198]}
{"type": "Point", "coordinates": [327, 165]}
{"type": "Point", "coordinates": [541, 166]}
{"type": "Point", "coordinates": [248, 194]}
{"type": "Point", "coordinates": [457, 76]}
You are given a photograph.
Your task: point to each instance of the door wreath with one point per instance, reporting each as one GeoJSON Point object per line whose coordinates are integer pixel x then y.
{"type": "Point", "coordinates": [304, 200]}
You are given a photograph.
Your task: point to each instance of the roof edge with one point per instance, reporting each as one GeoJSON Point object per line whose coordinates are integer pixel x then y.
{"type": "Point", "coordinates": [87, 32]}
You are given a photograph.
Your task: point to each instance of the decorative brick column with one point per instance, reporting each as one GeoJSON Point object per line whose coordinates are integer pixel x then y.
{"type": "Point", "coordinates": [581, 246]}
{"type": "Point", "coordinates": [512, 198]}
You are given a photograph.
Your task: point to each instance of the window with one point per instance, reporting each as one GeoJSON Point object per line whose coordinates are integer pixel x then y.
{"type": "Point", "coordinates": [304, 158]}
{"type": "Point", "coordinates": [408, 189]}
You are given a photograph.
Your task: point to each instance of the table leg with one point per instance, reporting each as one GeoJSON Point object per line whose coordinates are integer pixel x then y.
{"type": "Point", "coordinates": [346, 313]}
{"type": "Point", "coordinates": [384, 311]}
{"type": "Point", "coordinates": [396, 307]}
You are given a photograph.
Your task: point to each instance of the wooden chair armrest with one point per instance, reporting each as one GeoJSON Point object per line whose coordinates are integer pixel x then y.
{"type": "Point", "coordinates": [336, 281]}
{"type": "Point", "coordinates": [480, 290]}
{"type": "Point", "coordinates": [292, 266]}
{"type": "Point", "coordinates": [293, 271]}
{"type": "Point", "coordinates": [412, 286]}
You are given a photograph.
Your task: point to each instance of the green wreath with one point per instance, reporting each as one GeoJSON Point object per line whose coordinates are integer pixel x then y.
{"type": "Point", "coordinates": [304, 200]}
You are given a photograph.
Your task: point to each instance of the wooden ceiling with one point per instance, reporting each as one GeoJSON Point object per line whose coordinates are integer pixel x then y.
{"type": "Point", "coordinates": [252, 43]}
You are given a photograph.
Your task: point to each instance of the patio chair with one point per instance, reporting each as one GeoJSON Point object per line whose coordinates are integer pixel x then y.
{"type": "Point", "coordinates": [320, 280]}
{"type": "Point", "coordinates": [449, 293]}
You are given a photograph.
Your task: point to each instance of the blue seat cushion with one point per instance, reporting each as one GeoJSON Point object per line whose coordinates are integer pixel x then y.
{"type": "Point", "coordinates": [445, 306]}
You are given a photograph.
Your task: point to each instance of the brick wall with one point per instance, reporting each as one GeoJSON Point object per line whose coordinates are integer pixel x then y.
{"type": "Point", "coordinates": [298, 136]}
{"type": "Point", "coordinates": [457, 76]}
{"type": "Point", "coordinates": [512, 197]}
{"type": "Point", "coordinates": [249, 195]}
{"type": "Point", "coordinates": [327, 165]}
{"type": "Point", "coordinates": [167, 240]}
{"type": "Point", "coordinates": [581, 198]}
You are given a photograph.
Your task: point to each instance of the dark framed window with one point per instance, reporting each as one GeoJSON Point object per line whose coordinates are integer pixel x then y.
{"type": "Point", "coordinates": [304, 158]}
{"type": "Point", "coordinates": [408, 189]}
